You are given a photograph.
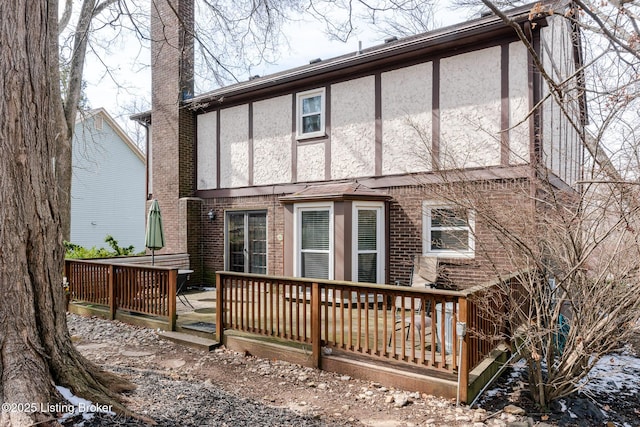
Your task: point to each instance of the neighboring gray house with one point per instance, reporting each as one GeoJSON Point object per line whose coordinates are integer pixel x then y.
{"type": "Point", "coordinates": [108, 184]}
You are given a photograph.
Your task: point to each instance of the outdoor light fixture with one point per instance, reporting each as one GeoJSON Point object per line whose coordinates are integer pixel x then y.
{"type": "Point", "coordinates": [212, 215]}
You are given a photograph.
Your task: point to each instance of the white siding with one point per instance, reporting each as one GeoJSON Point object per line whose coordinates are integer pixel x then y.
{"type": "Point", "coordinates": [107, 188]}
{"type": "Point", "coordinates": [272, 120]}
{"type": "Point", "coordinates": [207, 151]}
{"type": "Point", "coordinates": [353, 128]}
{"type": "Point", "coordinates": [406, 119]}
{"type": "Point", "coordinates": [234, 147]}
{"type": "Point", "coordinates": [470, 109]}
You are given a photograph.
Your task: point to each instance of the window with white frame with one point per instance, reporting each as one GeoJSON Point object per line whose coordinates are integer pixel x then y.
{"type": "Point", "coordinates": [310, 113]}
{"type": "Point", "coordinates": [314, 240]}
{"type": "Point", "coordinates": [368, 242]}
{"type": "Point", "coordinates": [447, 231]}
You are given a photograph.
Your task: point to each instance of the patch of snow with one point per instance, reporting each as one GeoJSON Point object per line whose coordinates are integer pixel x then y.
{"type": "Point", "coordinates": [491, 393]}
{"type": "Point", "coordinates": [563, 405]}
{"type": "Point", "coordinates": [82, 406]}
{"type": "Point", "coordinates": [615, 373]}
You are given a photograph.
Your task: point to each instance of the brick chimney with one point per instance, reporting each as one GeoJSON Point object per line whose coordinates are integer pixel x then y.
{"type": "Point", "coordinates": [172, 165]}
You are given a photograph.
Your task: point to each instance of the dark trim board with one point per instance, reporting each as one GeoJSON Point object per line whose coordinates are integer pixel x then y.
{"type": "Point", "coordinates": [416, 179]}
{"type": "Point", "coordinates": [505, 117]}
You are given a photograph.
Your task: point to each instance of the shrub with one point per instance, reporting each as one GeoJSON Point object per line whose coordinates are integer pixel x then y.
{"type": "Point", "coordinates": [74, 251]}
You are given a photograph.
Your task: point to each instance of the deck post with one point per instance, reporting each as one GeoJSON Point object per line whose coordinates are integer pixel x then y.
{"type": "Point", "coordinates": [67, 269]}
{"type": "Point", "coordinates": [316, 333]}
{"type": "Point", "coordinates": [112, 291]}
{"type": "Point", "coordinates": [219, 308]}
{"type": "Point", "coordinates": [464, 357]}
{"type": "Point", "coordinates": [173, 284]}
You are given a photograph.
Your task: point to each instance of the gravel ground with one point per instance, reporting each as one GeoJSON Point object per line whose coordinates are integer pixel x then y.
{"type": "Point", "coordinates": [179, 386]}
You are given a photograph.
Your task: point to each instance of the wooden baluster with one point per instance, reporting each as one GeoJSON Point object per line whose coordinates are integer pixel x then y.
{"type": "Point", "coordinates": [112, 292]}
{"type": "Point", "coordinates": [316, 339]}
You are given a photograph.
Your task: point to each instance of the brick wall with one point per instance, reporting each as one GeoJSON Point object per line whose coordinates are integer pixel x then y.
{"type": "Point", "coordinates": [500, 200]}
{"type": "Point", "coordinates": [405, 234]}
{"type": "Point", "coordinates": [173, 135]}
{"type": "Point", "coordinates": [213, 233]}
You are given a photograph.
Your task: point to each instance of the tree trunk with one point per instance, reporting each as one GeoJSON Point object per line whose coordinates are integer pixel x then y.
{"type": "Point", "coordinates": [35, 347]}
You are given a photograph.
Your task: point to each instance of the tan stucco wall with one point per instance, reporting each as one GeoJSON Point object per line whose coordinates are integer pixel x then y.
{"type": "Point", "coordinates": [207, 151]}
{"type": "Point", "coordinates": [518, 104]}
{"type": "Point", "coordinates": [272, 140]}
{"type": "Point", "coordinates": [311, 162]}
{"type": "Point", "coordinates": [234, 146]}
{"type": "Point", "coordinates": [470, 109]}
{"type": "Point", "coordinates": [406, 119]}
{"type": "Point", "coordinates": [353, 128]}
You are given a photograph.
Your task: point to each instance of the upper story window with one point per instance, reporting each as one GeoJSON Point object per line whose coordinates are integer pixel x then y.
{"type": "Point", "coordinates": [310, 113]}
{"type": "Point", "coordinates": [448, 231]}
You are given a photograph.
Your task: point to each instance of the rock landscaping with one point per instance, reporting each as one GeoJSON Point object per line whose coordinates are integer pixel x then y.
{"type": "Point", "coordinates": [187, 387]}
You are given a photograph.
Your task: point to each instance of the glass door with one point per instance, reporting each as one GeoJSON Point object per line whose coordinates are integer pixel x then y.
{"type": "Point", "coordinates": [246, 250]}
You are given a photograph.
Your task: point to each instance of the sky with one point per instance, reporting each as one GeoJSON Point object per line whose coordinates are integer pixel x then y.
{"type": "Point", "coordinates": [126, 88]}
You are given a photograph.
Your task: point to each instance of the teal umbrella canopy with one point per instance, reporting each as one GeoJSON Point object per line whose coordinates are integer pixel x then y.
{"type": "Point", "coordinates": [154, 238]}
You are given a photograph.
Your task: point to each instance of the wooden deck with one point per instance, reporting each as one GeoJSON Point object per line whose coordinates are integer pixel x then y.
{"type": "Point", "coordinates": [334, 323]}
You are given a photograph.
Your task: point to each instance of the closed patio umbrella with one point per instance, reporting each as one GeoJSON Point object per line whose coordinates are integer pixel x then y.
{"type": "Point", "coordinates": [154, 238]}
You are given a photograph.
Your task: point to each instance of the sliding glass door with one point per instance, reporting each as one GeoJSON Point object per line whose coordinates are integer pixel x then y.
{"type": "Point", "coordinates": [246, 248]}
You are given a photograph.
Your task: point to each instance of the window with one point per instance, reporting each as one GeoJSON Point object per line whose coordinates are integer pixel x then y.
{"type": "Point", "coordinates": [314, 240]}
{"type": "Point", "coordinates": [447, 231]}
{"type": "Point", "coordinates": [368, 238]}
{"type": "Point", "coordinates": [310, 113]}
{"type": "Point", "coordinates": [246, 242]}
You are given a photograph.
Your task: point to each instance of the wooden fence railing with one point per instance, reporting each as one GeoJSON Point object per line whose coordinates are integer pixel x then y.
{"type": "Point", "coordinates": [395, 323]}
{"type": "Point", "coordinates": [140, 289]}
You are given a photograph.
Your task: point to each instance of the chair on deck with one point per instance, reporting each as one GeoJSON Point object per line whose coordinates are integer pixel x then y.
{"type": "Point", "coordinates": [424, 275]}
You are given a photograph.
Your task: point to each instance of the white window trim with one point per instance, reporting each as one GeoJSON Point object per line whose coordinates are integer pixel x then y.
{"type": "Point", "coordinates": [297, 238]}
{"type": "Point", "coordinates": [380, 239]}
{"type": "Point", "coordinates": [427, 206]}
{"type": "Point", "coordinates": [299, 98]}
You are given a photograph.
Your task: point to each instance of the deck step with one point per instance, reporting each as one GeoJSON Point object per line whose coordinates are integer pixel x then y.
{"type": "Point", "coordinates": [189, 340]}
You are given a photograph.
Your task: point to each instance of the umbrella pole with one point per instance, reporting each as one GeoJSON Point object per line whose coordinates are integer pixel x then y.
{"type": "Point", "coordinates": [153, 254]}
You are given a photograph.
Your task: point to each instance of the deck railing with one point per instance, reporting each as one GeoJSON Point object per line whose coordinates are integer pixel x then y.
{"type": "Point", "coordinates": [394, 323]}
{"type": "Point", "coordinates": [139, 289]}
{"type": "Point", "coordinates": [414, 326]}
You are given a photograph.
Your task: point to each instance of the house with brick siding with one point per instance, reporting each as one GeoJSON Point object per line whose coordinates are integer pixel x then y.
{"type": "Point", "coordinates": [332, 170]}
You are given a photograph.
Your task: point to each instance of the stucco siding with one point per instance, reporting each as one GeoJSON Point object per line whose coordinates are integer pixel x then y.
{"type": "Point", "coordinates": [311, 162]}
{"type": "Point", "coordinates": [353, 128]}
{"type": "Point", "coordinates": [406, 119]}
{"type": "Point", "coordinates": [234, 147]}
{"type": "Point", "coordinates": [519, 135]}
{"type": "Point", "coordinates": [207, 150]}
{"type": "Point", "coordinates": [560, 140]}
{"type": "Point", "coordinates": [470, 109]}
{"type": "Point", "coordinates": [272, 141]}
{"type": "Point", "coordinates": [107, 188]}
